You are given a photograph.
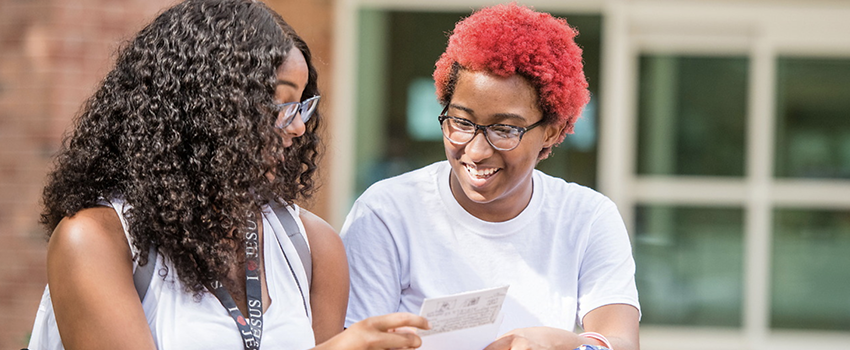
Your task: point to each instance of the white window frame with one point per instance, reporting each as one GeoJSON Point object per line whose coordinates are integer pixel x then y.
{"type": "Point", "coordinates": [760, 30]}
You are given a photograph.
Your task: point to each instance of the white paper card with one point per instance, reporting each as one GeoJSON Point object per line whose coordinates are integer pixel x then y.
{"type": "Point", "coordinates": [475, 338]}
{"type": "Point", "coordinates": [465, 321]}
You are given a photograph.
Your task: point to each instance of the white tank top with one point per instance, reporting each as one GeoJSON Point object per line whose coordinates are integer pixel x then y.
{"type": "Point", "coordinates": [179, 320]}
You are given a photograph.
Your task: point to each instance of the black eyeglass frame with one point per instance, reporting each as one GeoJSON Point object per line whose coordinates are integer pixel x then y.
{"type": "Point", "coordinates": [519, 129]}
{"type": "Point", "coordinates": [302, 108]}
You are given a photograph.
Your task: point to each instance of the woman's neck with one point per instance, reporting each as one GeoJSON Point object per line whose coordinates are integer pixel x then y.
{"type": "Point", "coordinates": [498, 210]}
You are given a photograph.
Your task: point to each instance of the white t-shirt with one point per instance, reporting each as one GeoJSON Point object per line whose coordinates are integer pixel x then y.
{"type": "Point", "coordinates": [178, 320]}
{"type": "Point", "coordinates": [567, 253]}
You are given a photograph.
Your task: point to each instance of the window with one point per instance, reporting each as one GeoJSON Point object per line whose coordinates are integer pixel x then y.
{"type": "Point", "coordinates": [735, 178]}
{"type": "Point", "coordinates": [811, 269]}
{"type": "Point", "coordinates": [692, 115]}
{"type": "Point", "coordinates": [813, 118]}
{"type": "Point", "coordinates": [690, 265]}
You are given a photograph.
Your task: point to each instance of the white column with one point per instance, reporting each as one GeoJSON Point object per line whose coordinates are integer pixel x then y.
{"type": "Point", "coordinates": [617, 127]}
{"type": "Point", "coordinates": [758, 224]}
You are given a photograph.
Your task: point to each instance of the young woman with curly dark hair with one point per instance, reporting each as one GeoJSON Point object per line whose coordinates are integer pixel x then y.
{"type": "Point", "coordinates": [206, 122]}
{"type": "Point", "coordinates": [512, 85]}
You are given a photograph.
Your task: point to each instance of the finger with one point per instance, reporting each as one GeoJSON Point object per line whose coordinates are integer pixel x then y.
{"type": "Point", "coordinates": [503, 343]}
{"type": "Point", "coordinates": [398, 320]}
{"type": "Point", "coordinates": [511, 333]}
{"type": "Point", "coordinates": [397, 341]}
{"type": "Point", "coordinates": [403, 330]}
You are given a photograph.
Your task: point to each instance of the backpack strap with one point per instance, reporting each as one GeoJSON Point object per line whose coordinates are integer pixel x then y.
{"type": "Point", "coordinates": [143, 274]}
{"type": "Point", "coordinates": [297, 238]}
{"type": "Point", "coordinates": [291, 228]}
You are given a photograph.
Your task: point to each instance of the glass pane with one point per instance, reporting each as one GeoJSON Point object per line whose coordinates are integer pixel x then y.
{"type": "Point", "coordinates": [811, 270]}
{"type": "Point", "coordinates": [813, 118]}
{"type": "Point", "coordinates": [692, 115]}
{"type": "Point", "coordinates": [689, 265]}
{"type": "Point", "coordinates": [396, 54]}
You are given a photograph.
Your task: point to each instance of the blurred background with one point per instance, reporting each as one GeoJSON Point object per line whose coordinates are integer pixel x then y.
{"type": "Point", "coordinates": [720, 128]}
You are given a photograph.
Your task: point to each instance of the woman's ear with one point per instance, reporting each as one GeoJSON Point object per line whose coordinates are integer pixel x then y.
{"type": "Point", "coordinates": [551, 134]}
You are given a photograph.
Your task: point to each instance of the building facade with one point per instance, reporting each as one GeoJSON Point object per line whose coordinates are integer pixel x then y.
{"type": "Point", "coordinates": [720, 128]}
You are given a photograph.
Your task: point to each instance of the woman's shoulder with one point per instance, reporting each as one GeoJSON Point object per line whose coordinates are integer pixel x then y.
{"type": "Point", "coordinates": [89, 261]}
{"type": "Point", "coordinates": [554, 183]}
{"type": "Point", "coordinates": [317, 230]}
{"type": "Point", "coordinates": [411, 184]}
{"type": "Point", "coordinates": [558, 189]}
{"type": "Point", "coordinates": [92, 237]}
{"type": "Point", "coordinates": [90, 228]}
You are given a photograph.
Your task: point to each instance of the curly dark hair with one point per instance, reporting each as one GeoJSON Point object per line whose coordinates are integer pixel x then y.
{"type": "Point", "coordinates": [183, 130]}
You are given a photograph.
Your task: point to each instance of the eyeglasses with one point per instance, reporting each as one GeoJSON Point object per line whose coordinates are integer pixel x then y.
{"type": "Point", "coordinates": [289, 110]}
{"type": "Point", "coordinates": [502, 137]}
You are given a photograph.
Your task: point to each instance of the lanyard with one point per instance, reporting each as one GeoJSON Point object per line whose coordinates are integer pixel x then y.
{"type": "Point", "coordinates": [251, 329]}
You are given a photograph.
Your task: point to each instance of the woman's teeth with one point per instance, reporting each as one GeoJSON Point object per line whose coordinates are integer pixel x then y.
{"type": "Point", "coordinates": [481, 172]}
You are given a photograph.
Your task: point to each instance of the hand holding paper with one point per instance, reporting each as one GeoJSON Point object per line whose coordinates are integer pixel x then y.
{"type": "Point", "coordinates": [391, 331]}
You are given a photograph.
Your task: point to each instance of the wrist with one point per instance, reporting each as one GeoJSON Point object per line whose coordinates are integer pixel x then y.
{"type": "Point", "coordinates": [596, 339]}
{"type": "Point", "coordinates": [590, 347]}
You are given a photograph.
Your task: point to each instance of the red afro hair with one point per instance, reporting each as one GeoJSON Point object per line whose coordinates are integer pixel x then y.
{"type": "Point", "coordinates": [512, 39]}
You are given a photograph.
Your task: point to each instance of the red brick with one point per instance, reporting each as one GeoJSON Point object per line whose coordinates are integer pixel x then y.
{"type": "Point", "coordinates": [53, 54]}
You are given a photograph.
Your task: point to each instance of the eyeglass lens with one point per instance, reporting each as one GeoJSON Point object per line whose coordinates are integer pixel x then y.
{"type": "Point", "coordinates": [501, 137]}
{"type": "Point", "coordinates": [290, 110]}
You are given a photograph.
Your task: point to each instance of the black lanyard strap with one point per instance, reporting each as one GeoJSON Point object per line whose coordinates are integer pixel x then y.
{"type": "Point", "coordinates": [252, 328]}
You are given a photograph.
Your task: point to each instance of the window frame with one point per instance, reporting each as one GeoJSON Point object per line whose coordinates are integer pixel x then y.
{"type": "Point", "coordinates": [763, 32]}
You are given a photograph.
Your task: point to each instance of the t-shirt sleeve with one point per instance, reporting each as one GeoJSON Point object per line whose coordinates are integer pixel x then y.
{"type": "Point", "coordinates": [374, 265]}
{"type": "Point", "coordinates": [607, 272]}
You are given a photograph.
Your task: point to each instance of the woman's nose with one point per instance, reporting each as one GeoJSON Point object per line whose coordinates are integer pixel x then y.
{"type": "Point", "coordinates": [297, 127]}
{"type": "Point", "coordinates": [479, 148]}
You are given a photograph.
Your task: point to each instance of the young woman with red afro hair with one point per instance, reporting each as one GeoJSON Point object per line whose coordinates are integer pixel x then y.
{"type": "Point", "coordinates": [512, 85]}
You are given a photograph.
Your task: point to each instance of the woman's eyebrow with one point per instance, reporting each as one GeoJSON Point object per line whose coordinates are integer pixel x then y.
{"type": "Point", "coordinates": [497, 116]}
{"type": "Point", "coordinates": [287, 82]}
{"type": "Point", "coordinates": [509, 116]}
{"type": "Point", "coordinates": [462, 108]}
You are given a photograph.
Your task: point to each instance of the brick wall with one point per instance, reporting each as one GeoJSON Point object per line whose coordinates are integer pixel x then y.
{"type": "Point", "coordinates": [313, 19]}
{"type": "Point", "coordinates": [52, 55]}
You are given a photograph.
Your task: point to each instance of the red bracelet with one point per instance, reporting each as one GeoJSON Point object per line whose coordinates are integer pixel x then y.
{"type": "Point", "coordinates": [597, 336]}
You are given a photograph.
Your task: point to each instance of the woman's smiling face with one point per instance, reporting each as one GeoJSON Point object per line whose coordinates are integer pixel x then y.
{"type": "Point", "coordinates": [490, 184]}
